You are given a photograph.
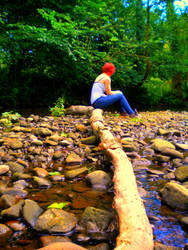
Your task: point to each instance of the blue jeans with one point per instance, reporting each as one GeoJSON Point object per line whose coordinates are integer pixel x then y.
{"type": "Point", "coordinates": [106, 101]}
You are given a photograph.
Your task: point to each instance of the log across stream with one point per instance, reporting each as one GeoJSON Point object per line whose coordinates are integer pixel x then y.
{"type": "Point", "coordinates": [135, 231]}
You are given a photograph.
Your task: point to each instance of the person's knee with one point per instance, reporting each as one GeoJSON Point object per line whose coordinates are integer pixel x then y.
{"type": "Point", "coordinates": [121, 95]}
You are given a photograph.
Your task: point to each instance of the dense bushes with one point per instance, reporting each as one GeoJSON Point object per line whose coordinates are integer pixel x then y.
{"type": "Point", "coordinates": [50, 49]}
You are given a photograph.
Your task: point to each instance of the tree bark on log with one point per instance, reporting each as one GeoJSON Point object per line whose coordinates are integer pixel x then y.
{"type": "Point", "coordinates": [79, 109]}
{"type": "Point", "coordinates": [135, 231]}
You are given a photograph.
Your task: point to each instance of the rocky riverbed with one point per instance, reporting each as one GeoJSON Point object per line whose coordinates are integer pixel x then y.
{"type": "Point", "coordinates": [56, 182]}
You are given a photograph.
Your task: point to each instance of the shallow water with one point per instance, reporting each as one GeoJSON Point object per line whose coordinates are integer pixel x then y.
{"type": "Point", "coordinates": [164, 220]}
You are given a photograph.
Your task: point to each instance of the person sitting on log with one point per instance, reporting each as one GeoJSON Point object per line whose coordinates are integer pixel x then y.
{"type": "Point", "coordinates": [102, 96]}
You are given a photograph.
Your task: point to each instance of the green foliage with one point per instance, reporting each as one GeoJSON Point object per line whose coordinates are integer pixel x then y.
{"type": "Point", "coordinates": [64, 134]}
{"type": "Point", "coordinates": [11, 115]}
{"type": "Point", "coordinates": [58, 109]}
{"type": "Point", "coordinates": [54, 173]}
{"type": "Point", "coordinates": [8, 118]}
{"type": "Point", "coordinates": [49, 48]}
{"type": "Point", "coordinates": [156, 89]}
{"type": "Point", "coordinates": [5, 122]}
{"type": "Point", "coordinates": [59, 205]}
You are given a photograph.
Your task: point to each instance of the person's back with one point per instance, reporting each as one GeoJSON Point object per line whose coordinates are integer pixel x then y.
{"type": "Point", "coordinates": [98, 88]}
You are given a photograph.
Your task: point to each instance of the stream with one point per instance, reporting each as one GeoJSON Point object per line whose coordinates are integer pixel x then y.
{"type": "Point", "coordinates": [46, 174]}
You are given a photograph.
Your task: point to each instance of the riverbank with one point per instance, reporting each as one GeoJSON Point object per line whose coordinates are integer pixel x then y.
{"type": "Point", "coordinates": [46, 160]}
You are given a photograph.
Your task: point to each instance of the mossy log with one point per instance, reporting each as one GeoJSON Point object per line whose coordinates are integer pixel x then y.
{"type": "Point", "coordinates": [135, 231]}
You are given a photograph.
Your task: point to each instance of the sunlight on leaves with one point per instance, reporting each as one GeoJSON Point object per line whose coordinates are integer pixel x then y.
{"type": "Point", "coordinates": [54, 173]}
{"type": "Point", "coordinates": [59, 205]}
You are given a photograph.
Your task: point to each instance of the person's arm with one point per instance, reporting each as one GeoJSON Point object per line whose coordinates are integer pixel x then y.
{"type": "Point", "coordinates": [108, 88]}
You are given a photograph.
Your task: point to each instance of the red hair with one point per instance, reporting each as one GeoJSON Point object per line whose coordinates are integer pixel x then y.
{"type": "Point", "coordinates": [108, 68]}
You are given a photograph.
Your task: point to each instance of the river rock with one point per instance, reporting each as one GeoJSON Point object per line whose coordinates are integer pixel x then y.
{"type": "Point", "coordinates": [49, 239]}
{"type": "Point", "coordinates": [62, 246]}
{"type": "Point", "coordinates": [183, 147]}
{"type": "Point", "coordinates": [57, 155]}
{"type": "Point", "coordinates": [14, 143]}
{"type": "Point", "coordinates": [16, 225]}
{"type": "Point", "coordinates": [66, 142]}
{"type": "Point", "coordinates": [8, 200]}
{"type": "Point", "coordinates": [5, 233]}
{"type": "Point", "coordinates": [14, 191]}
{"type": "Point", "coordinates": [23, 163]}
{"type": "Point", "coordinates": [129, 147]}
{"type": "Point", "coordinates": [91, 140]}
{"type": "Point", "coordinates": [169, 176]}
{"type": "Point", "coordinates": [56, 221]}
{"type": "Point", "coordinates": [95, 219]}
{"type": "Point", "coordinates": [41, 182]}
{"type": "Point", "coordinates": [34, 150]}
{"type": "Point", "coordinates": [4, 169]}
{"type": "Point", "coordinates": [42, 132]}
{"type": "Point", "coordinates": [31, 211]}
{"type": "Point", "coordinates": [41, 172]}
{"type": "Point", "coordinates": [20, 184]}
{"type": "Point", "coordinates": [82, 237]}
{"type": "Point", "coordinates": [181, 173]}
{"type": "Point", "coordinates": [70, 174]}
{"type": "Point", "coordinates": [155, 172]}
{"type": "Point", "coordinates": [184, 220]}
{"type": "Point", "coordinates": [73, 159]}
{"type": "Point", "coordinates": [185, 161]}
{"type": "Point", "coordinates": [37, 142]}
{"type": "Point", "coordinates": [50, 142]}
{"type": "Point", "coordinates": [15, 167]}
{"type": "Point", "coordinates": [81, 127]}
{"type": "Point", "coordinates": [141, 162]}
{"type": "Point", "coordinates": [101, 246]}
{"type": "Point", "coordinates": [148, 151]}
{"type": "Point", "coordinates": [175, 195]}
{"type": "Point", "coordinates": [15, 210]}
{"type": "Point", "coordinates": [159, 246]}
{"type": "Point", "coordinates": [172, 153]}
{"type": "Point", "coordinates": [21, 176]}
{"type": "Point", "coordinates": [55, 137]}
{"type": "Point", "coordinates": [161, 158]}
{"type": "Point", "coordinates": [162, 131]}
{"type": "Point", "coordinates": [159, 144]}
{"type": "Point", "coordinates": [99, 179]}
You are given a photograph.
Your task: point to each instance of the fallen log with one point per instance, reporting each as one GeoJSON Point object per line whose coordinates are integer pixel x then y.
{"type": "Point", "coordinates": [135, 231]}
{"type": "Point", "coordinates": [79, 109]}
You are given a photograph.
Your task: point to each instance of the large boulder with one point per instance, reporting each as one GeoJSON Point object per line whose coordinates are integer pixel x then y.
{"type": "Point", "coordinates": [31, 211]}
{"type": "Point", "coordinates": [181, 173]}
{"type": "Point", "coordinates": [175, 195]}
{"type": "Point", "coordinates": [160, 144]}
{"type": "Point", "coordinates": [99, 179]}
{"type": "Point", "coordinates": [56, 221]}
{"type": "Point", "coordinates": [95, 219]}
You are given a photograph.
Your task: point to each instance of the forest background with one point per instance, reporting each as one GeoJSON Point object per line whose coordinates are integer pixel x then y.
{"type": "Point", "coordinates": [51, 49]}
